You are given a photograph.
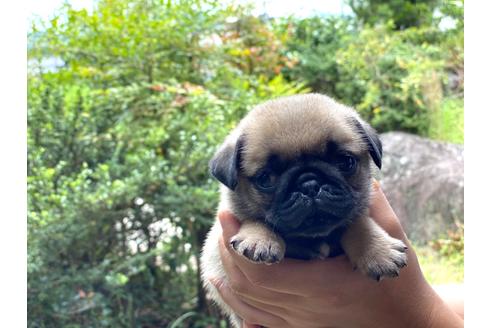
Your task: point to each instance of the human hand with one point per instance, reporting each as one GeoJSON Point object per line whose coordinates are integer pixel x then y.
{"type": "Point", "coordinates": [328, 293]}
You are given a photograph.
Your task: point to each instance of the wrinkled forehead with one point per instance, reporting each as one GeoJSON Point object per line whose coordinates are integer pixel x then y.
{"type": "Point", "coordinates": [291, 132]}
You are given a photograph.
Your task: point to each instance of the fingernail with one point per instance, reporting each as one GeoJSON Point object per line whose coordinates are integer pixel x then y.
{"type": "Point", "coordinates": [228, 222]}
{"type": "Point", "coordinates": [223, 217]}
{"type": "Point", "coordinates": [375, 184]}
{"type": "Point", "coordinates": [216, 282]}
{"type": "Point", "coordinates": [222, 214]}
{"type": "Point", "coordinates": [249, 325]}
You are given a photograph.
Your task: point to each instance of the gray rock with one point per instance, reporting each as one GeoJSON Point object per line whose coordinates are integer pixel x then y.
{"type": "Point", "coordinates": [423, 181]}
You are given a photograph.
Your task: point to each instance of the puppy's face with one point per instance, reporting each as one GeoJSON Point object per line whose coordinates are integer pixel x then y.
{"type": "Point", "coordinates": [301, 164]}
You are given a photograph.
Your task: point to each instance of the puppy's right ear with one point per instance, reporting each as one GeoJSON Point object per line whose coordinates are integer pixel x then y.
{"type": "Point", "coordinates": [224, 165]}
{"type": "Point", "coordinates": [372, 141]}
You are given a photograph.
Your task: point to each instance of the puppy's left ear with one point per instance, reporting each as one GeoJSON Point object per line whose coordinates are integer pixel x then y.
{"type": "Point", "coordinates": [224, 165]}
{"type": "Point", "coordinates": [372, 141]}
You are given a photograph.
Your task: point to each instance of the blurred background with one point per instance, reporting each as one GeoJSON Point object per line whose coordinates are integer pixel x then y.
{"type": "Point", "coordinates": [127, 101]}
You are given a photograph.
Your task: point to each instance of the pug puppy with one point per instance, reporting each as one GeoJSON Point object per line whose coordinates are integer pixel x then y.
{"type": "Point", "coordinates": [297, 173]}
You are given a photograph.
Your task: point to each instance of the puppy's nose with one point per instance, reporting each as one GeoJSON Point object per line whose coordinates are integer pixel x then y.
{"type": "Point", "coordinates": [310, 187]}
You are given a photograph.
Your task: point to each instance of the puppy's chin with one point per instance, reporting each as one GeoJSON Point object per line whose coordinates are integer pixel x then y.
{"type": "Point", "coordinates": [305, 222]}
{"type": "Point", "coordinates": [311, 200]}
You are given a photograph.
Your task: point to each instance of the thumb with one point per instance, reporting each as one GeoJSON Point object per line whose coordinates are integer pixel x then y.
{"type": "Point", "coordinates": [230, 225]}
{"type": "Point", "coordinates": [248, 325]}
{"type": "Point", "coordinates": [383, 214]}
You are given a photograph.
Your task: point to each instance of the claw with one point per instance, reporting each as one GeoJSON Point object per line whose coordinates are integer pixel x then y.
{"type": "Point", "coordinates": [234, 243]}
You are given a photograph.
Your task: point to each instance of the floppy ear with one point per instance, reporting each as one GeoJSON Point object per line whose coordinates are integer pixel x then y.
{"type": "Point", "coordinates": [372, 141]}
{"type": "Point", "coordinates": [224, 165]}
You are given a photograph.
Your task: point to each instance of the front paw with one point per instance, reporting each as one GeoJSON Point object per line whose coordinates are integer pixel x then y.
{"type": "Point", "coordinates": [383, 260]}
{"type": "Point", "coordinates": [259, 250]}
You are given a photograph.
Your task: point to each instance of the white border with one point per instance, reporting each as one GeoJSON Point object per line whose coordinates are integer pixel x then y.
{"type": "Point", "coordinates": [13, 248]}
{"type": "Point", "coordinates": [478, 123]}
{"type": "Point", "coordinates": [478, 168]}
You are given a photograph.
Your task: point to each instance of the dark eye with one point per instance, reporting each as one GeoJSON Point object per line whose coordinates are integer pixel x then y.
{"type": "Point", "coordinates": [265, 181]}
{"type": "Point", "coordinates": [347, 164]}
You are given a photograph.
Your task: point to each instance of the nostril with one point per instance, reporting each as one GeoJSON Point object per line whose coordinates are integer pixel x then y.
{"type": "Point", "coordinates": [310, 187]}
{"type": "Point", "coordinates": [333, 191]}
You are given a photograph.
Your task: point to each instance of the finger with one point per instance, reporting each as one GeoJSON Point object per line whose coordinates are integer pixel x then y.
{"type": "Point", "coordinates": [384, 215]}
{"type": "Point", "coordinates": [295, 277]}
{"type": "Point", "coordinates": [230, 225]}
{"type": "Point", "coordinates": [244, 288]}
{"type": "Point", "coordinates": [255, 296]}
{"type": "Point", "coordinates": [248, 313]}
{"type": "Point", "coordinates": [382, 212]}
{"type": "Point", "coordinates": [239, 283]}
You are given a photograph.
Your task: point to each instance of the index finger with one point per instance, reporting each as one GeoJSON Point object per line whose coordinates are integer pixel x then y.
{"type": "Point", "coordinates": [382, 212]}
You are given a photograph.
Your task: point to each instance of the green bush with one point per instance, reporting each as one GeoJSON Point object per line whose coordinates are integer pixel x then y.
{"type": "Point", "coordinates": [120, 132]}
{"type": "Point", "coordinates": [388, 76]}
{"type": "Point", "coordinates": [119, 139]}
{"type": "Point", "coordinates": [394, 82]}
{"type": "Point", "coordinates": [447, 121]}
{"type": "Point", "coordinates": [397, 79]}
{"type": "Point", "coordinates": [312, 46]}
{"type": "Point", "coordinates": [442, 260]}
{"type": "Point", "coordinates": [403, 13]}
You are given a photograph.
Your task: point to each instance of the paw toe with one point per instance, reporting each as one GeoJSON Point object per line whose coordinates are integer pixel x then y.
{"type": "Point", "coordinates": [387, 266]}
{"type": "Point", "coordinates": [259, 251]}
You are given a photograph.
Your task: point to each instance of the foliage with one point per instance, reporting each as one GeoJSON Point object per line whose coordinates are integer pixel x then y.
{"type": "Point", "coordinates": [442, 260]}
{"type": "Point", "coordinates": [403, 13]}
{"type": "Point", "coordinates": [447, 121]}
{"type": "Point", "coordinates": [397, 79]}
{"type": "Point", "coordinates": [119, 140]}
{"type": "Point", "coordinates": [451, 244]}
{"type": "Point", "coordinates": [254, 47]}
{"type": "Point", "coordinates": [439, 269]}
{"type": "Point", "coordinates": [313, 45]}
{"type": "Point", "coordinates": [126, 105]}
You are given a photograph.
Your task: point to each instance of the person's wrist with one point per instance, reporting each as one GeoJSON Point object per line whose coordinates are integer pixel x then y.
{"type": "Point", "coordinates": [430, 311]}
{"type": "Point", "coordinates": [453, 296]}
{"type": "Point", "coordinates": [443, 316]}
{"type": "Point", "coordinates": [418, 304]}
